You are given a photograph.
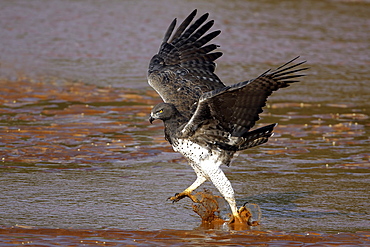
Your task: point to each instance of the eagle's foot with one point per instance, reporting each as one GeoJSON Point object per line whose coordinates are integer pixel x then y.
{"type": "Point", "coordinates": [243, 216]}
{"type": "Point", "coordinates": [178, 196]}
{"type": "Point", "coordinates": [236, 219]}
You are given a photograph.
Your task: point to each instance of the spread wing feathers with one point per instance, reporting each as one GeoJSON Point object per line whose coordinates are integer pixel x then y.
{"type": "Point", "coordinates": [212, 136]}
{"type": "Point", "coordinates": [235, 109]}
{"type": "Point", "coordinates": [185, 63]}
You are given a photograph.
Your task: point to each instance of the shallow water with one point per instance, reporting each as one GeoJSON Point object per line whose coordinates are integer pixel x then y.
{"type": "Point", "coordinates": [77, 150]}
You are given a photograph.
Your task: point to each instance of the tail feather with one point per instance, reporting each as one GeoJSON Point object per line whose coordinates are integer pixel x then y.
{"type": "Point", "coordinates": [248, 140]}
{"type": "Point", "coordinates": [257, 136]}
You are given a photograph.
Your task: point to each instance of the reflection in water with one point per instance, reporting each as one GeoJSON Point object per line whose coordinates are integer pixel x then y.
{"type": "Point", "coordinates": [76, 155]}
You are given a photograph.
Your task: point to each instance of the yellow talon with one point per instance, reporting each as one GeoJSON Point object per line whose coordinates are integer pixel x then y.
{"type": "Point", "coordinates": [178, 196]}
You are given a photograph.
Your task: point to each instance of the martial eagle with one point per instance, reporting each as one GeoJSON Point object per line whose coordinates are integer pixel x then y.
{"type": "Point", "coordinates": [205, 120]}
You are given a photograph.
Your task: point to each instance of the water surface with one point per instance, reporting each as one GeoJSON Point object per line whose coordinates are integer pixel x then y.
{"type": "Point", "coordinates": [77, 150]}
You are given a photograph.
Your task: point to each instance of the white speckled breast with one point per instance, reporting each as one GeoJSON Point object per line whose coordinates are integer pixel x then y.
{"type": "Point", "coordinates": [195, 152]}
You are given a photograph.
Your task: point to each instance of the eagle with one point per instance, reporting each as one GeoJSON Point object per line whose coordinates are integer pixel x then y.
{"type": "Point", "coordinates": [204, 119]}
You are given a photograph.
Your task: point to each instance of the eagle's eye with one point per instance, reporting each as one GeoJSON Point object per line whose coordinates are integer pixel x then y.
{"type": "Point", "coordinates": [160, 111]}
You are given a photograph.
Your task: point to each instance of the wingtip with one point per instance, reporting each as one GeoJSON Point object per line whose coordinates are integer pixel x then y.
{"type": "Point", "coordinates": [289, 62]}
{"type": "Point", "coordinates": [288, 70]}
{"type": "Point", "coordinates": [193, 14]}
{"type": "Point", "coordinates": [169, 30]}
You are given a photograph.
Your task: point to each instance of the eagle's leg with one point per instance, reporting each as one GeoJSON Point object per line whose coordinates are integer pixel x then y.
{"type": "Point", "coordinates": [187, 192]}
{"type": "Point", "coordinates": [218, 178]}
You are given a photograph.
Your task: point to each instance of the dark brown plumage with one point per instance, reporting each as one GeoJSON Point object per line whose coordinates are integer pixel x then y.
{"type": "Point", "coordinates": [205, 120]}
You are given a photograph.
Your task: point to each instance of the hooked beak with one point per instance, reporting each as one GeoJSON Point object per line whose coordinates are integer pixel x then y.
{"type": "Point", "coordinates": [151, 119]}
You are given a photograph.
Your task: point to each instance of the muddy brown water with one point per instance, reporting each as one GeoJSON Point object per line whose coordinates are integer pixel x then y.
{"type": "Point", "coordinates": [80, 164]}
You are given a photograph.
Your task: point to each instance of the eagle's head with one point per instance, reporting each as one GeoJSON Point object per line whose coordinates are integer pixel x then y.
{"type": "Point", "coordinates": [163, 111]}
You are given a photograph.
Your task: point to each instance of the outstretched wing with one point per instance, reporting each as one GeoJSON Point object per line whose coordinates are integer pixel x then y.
{"type": "Point", "coordinates": [235, 109]}
{"type": "Point", "coordinates": [184, 67]}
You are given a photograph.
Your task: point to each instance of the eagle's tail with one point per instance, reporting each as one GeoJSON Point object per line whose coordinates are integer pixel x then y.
{"type": "Point", "coordinates": [256, 137]}
{"type": "Point", "coordinates": [248, 140]}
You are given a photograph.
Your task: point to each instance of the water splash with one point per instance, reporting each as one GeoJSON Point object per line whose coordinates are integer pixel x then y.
{"type": "Point", "coordinates": [208, 210]}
